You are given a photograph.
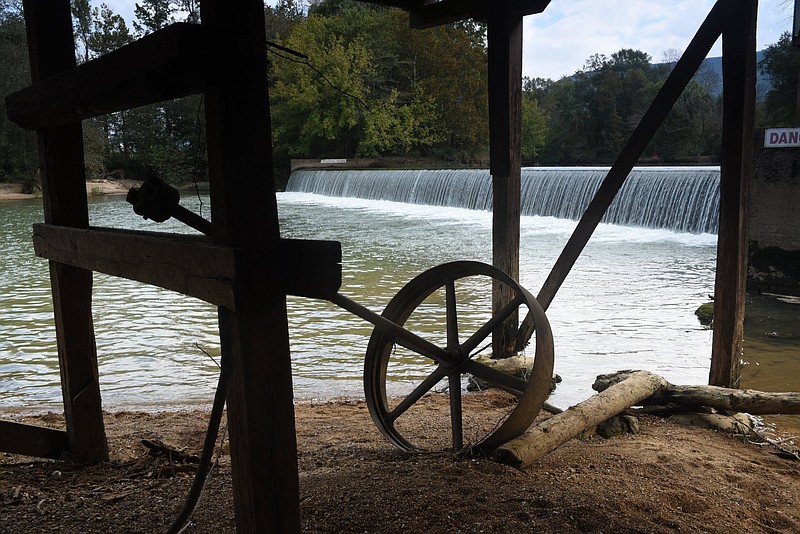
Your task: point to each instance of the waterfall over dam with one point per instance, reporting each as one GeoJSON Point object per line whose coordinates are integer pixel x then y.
{"type": "Point", "coordinates": [683, 199]}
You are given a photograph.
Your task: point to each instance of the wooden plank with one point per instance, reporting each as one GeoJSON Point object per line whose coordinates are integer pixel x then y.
{"type": "Point", "coordinates": [193, 266]}
{"type": "Point", "coordinates": [51, 51]}
{"type": "Point", "coordinates": [176, 61]}
{"type": "Point", "coordinates": [30, 440]}
{"type": "Point", "coordinates": [738, 96]}
{"type": "Point", "coordinates": [310, 268]}
{"type": "Point", "coordinates": [171, 261]}
{"type": "Point", "coordinates": [447, 11]}
{"type": "Point", "coordinates": [505, 129]}
{"type": "Point", "coordinates": [255, 340]}
{"type": "Point", "coordinates": [669, 93]}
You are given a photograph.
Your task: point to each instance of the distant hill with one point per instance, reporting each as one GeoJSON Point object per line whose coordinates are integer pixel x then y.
{"type": "Point", "coordinates": [711, 72]}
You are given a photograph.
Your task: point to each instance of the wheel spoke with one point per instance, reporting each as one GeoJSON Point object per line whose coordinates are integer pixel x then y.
{"type": "Point", "coordinates": [423, 387]}
{"type": "Point", "coordinates": [456, 421]}
{"type": "Point", "coordinates": [452, 315]}
{"type": "Point", "coordinates": [505, 381]}
{"type": "Point", "coordinates": [496, 320]}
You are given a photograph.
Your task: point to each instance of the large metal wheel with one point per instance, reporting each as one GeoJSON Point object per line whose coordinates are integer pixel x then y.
{"type": "Point", "coordinates": [446, 319]}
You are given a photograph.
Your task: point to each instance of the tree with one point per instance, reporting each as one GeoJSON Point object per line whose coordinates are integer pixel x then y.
{"type": "Point", "coordinates": [152, 15]}
{"type": "Point", "coordinates": [394, 128]}
{"type": "Point", "coordinates": [320, 111]}
{"type": "Point", "coordinates": [534, 128]}
{"type": "Point", "coordinates": [593, 112]}
{"type": "Point", "coordinates": [280, 20]}
{"type": "Point", "coordinates": [108, 32]}
{"type": "Point", "coordinates": [18, 155]}
{"type": "Point", "coordinates": [782, 63]}
{"type": "Point", "coordinates": [82, 26]}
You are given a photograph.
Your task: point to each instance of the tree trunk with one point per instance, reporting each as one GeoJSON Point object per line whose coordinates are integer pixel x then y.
{"type": "Point", "coordinates": [554, 432]}
{"type": "Point", "coordinates": [732, 400]}
{"type": "Point", "coordinates": [621, 390]}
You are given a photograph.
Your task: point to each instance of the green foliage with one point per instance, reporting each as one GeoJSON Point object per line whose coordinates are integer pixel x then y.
{"type": "Point", "coordinates": [393, 128]}
{"type": "Point", "coordinates": [280, 20]}
{"type": "Point", "coordinates": [377, 87]}
{"type": "Point", "coordinates": [534, 129]}
{"type": "Point", "coordinates": [782, 63]}
{"type": "Point", "coordinates": [312, 114]}
{"type": "Point", "coordinates": [108, 33]}
{"type": "Point", "coordinates": [18, 157]}
{"type": "Point", "coordinates": [591, 115]}
{"type": "Point", "coordinates": [152, 15]}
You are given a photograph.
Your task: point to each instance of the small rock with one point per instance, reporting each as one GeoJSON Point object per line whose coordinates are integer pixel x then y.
{"type": "Point", "coordinates": [705, 313]}
{"type": "Point", "coordinates": [618, 425]}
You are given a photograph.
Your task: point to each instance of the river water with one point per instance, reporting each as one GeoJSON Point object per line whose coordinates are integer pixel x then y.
{"type": "Point", "coordinates": [628, 303]}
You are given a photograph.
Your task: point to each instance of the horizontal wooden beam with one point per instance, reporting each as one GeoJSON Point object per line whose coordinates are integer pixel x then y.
{"type": "Point", "coordinates": [193, 266]}
{"type": "Point", "coordinates": [187, 264]}
{"type": "Point", "coordinates": [38, 441]}
{"type": "Point", "coordinates": [179, 60]}
{"type": "Point", "coordinates": [448, 11]}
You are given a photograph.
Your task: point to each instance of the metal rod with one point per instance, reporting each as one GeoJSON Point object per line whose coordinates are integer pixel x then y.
{"type": "Point", "coordinates": [402, 336]}
{"type": "Point", "coordinates": [456, 423]}
{"type": "Point", "coordinates": [192, 219]}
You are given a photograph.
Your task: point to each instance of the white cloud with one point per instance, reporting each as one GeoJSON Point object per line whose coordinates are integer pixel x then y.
{"type": "Point", "coordinates": [558, 41]}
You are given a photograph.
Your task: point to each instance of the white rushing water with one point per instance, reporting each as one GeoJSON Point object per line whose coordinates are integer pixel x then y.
{"type": "Point", "coordinates": [684, 199]}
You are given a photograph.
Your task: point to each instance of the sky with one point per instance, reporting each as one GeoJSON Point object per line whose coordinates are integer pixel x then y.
{"type": "Point", "coordinates": [558, 42]}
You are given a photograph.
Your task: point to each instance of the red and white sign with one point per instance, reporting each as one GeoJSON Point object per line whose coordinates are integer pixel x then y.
{"type": "Point", "coordinates": [782, 137]}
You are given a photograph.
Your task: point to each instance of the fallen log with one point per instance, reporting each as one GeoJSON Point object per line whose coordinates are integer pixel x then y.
{"type": "Point", "coordinates": [554, 432]}
{"type": "Point", "coordinates": [731, 400]}
{"type": "Point", "coordinates": [619, 391]}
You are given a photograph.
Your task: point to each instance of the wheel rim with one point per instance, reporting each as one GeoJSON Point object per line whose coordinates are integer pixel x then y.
{"type": "Point", "coordinates": [387, 411]}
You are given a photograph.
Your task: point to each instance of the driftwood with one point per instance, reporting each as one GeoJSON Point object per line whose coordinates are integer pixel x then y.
{"type": "Point", "coordinates": [732, 400]}
{"type": "Point", "coordinates": [554, 432]}
{"type": "Point", "coordinates": [621, 390]}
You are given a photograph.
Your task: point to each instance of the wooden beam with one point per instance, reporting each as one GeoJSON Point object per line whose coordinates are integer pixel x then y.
{"type": "Point", "coordinates": [193, 266]}
{"type": "Point", "coordinates": [255, 340]}
{"type": "Point", "coordinates": [447, 11]}
{"type": "Point", "coordinates": [179, 60]}
{"type": "Point", "coordinates": [175, 262]}
{"type": "Point", "coordinates": [738, 98]}
{"type": "Point", "coordinates": [51, 51]}
{"type": "Point", "coordinates": [41, 442]}
{"type": "Point", "coordinates": [505, 130]}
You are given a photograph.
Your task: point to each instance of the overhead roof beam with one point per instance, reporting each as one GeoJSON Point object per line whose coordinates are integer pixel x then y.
{"type": "Point", "coordinates": [447, 11]}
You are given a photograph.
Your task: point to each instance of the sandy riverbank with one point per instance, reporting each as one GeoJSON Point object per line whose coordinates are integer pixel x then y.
{"type": "Point", "coordinates": [666, 478]}
{"type": "Point", "coordinates": [13, 191]}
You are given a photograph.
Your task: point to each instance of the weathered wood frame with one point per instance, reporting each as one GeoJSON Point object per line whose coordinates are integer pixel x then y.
{"type": "Point", "coordinates": [254, 330]}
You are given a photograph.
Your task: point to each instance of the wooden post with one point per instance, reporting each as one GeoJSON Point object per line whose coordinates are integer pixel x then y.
{"type": "Point", "coordinates": [738, 76]}
{"type": "Point", "coordinates": [254, 338]}
{"type": "Point", "coordinates": [52, 50]}
{"type": "Point", "coordinates": [505, 129]}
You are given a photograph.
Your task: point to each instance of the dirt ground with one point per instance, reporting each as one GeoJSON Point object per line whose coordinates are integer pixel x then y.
{"type": "Point", "coordinates": [666, 478]}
